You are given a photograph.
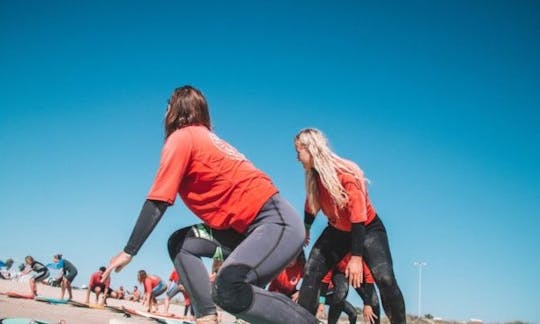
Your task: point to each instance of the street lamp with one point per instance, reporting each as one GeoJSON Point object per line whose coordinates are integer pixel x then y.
{"type": "Point", "coordinates": [420, 264]}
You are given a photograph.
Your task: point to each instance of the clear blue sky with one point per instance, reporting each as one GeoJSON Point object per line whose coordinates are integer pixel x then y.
{"type": "Point", "coordinates": [438, 102]}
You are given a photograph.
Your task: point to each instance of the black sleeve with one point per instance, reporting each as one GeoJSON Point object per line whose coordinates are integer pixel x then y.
{"type": "Point", "coordinates": [151, 213]}
{"type": "Point", "coordinates": [358, 234]}
{"type": "Point", "coordinates": [308, 219]}
{"type": "Point", "coordinates": [368, 294]}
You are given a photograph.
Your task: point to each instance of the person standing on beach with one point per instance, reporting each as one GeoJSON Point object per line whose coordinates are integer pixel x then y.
{"type": "Point", "coordinates": [40, 273]}
{"type": "Point", "coordinates": [240, 207]}
{"type": "Point", "coordinates": [69, 272]}
{"type": "Point", "coordinates": [99, 285]}
{"type": "Point", "coordinates": [173, 288]}
{"type": "Point", "coordinates": [337, 187]}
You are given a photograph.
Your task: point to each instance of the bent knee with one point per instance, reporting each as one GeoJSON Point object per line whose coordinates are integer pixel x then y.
{"type": "Point", "coordinates": [231, 290]}
{"type": "Point", "coordinates": [386, 281]}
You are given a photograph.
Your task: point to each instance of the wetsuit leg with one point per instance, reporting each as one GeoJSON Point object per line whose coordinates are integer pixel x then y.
{"type": "Point", "coordinates": [349, 309]}
{"type": "Point", "coordinates": [379, 259]}
{"type": "Point", "coordinates": [327, 251]}
{"type": "Point", "coordinates": [337, 302]}
{"type": "Point", "coordinates": [272, 241]}
{"type": "Point", "coordinates": [186, 247]}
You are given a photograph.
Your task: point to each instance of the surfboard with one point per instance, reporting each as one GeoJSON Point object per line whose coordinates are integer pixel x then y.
{"type": "Point", "coordinates": [14, 294]}
{"type": "Point", "coordinates": [118, 309]}
{"type": "Point", "coordinates": [85, 305]}
{"type": "Point", "coordinates": [170, 321]}
{"type": "Point", "coordinates": [51, 300]}
{"type": "Point", "coordinates": [162, 318]}
{"type": "Point", "coordinates": [20, 320]}
{"type": "Point", "coordinates": [130, 311]}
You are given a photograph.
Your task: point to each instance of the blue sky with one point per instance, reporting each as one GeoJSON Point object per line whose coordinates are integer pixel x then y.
{"type": "Point", "coordinates": [438, 102]}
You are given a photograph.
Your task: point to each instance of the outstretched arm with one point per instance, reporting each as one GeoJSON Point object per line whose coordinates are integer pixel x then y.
{"type": "Point", "coordinates": [149, 217]}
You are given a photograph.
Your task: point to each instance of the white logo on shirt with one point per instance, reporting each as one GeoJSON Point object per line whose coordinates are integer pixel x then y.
{"type": "Point", "coordinates": [226, 148]}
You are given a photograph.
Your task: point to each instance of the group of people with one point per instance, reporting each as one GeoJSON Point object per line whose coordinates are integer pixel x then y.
{"type": "Point", "coordinates": [255, 232]}
{"type": "Point", "coordinates": [6, 268]}
{"type": "Point", "coordinates": [37, 272]}
{"type": "Point", "coordinates": [61, 273]}
{"type": "Point", "coordinates": [153, 287]}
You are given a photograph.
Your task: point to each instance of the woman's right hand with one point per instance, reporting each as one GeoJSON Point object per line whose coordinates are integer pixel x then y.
{"type": "Point", "coordinates": [117, 264]}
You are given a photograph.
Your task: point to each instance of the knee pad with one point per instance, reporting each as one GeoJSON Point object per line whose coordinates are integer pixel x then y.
{"type": "Point", "coordinates": [231, 291]}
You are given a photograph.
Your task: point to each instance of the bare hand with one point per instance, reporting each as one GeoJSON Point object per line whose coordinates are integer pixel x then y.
{"type": "Point", "coordinates": [117, 263]}
{"type": "Point", "coordinates": [354, 271]}
{"type": "Point", "coordinates": [369, 315]}
{"type": "Point", "coordinates": [294, 296]}
{"type": "Point", "coordinates": [307, 238]}
{"type": "Point", "coordinates": [320, 311]}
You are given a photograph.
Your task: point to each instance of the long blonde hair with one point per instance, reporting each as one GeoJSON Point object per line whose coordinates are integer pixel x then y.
{"type": "Point", "coordinates": [325, 165]}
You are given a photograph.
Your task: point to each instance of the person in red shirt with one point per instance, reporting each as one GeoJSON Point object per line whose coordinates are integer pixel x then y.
{"type": "Point", "coordinates": [288, 279]}
{"type": "Point", "coordinates": [98, 285]}
{"type": "Point", "coordinates": [173, 288]}
{"type": "Point", "coordinates": [334, 292]}
{"type": "Point", "coordinates": [188, 308]}
{"type": "Point", "coordinates": [153, 287]}
{"type": "Point", "coordinates": [241, 210]}
{"type": "Point", "coordinates": [338, 187]}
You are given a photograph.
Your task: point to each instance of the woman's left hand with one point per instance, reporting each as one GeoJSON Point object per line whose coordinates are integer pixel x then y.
{"type": "Point", "coordinates": [369, 315]}
{"type": "Point", "coordinates": [354, 271]}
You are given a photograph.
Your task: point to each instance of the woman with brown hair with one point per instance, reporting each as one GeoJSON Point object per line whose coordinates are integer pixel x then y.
{"type": "Point", "coordinates": [241, 210]}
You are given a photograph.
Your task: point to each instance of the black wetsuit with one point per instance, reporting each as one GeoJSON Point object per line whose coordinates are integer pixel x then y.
{"type": "Point", "coordinates": [332, 246]}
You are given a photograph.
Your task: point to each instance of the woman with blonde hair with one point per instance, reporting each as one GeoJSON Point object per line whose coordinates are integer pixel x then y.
{"type": "Point", "coordinates": [338, 187]}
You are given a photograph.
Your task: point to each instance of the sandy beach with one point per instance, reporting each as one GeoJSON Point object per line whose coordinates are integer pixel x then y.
{"type": "Point", "coordinates": [69, 314]}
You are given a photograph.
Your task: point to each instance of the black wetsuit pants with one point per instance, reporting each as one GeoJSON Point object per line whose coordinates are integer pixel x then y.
{"type": "Point", "coordinates": [337, 299]}
{"type": "Point", "coordinates": [332, 246]}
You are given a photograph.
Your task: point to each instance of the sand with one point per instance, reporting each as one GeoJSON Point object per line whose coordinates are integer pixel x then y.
{"type": "Point", "coordinates": [69, 314]}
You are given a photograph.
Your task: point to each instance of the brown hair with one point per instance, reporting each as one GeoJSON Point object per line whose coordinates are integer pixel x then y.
{"type": "Point", "coordinates": [187, 106]}
{"type": "Point", "coordinates": [141, 275]}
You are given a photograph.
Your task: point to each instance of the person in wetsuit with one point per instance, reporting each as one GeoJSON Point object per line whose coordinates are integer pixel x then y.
{"type": "Point", "coordinates": [41, 273]}
{"type": "Point", "coordinates": [69, 272]}
{"type": "Point", "coordinates": [338, 187]}
{"type": "Point", "coordinates": [334, 290]}
{"type": "Point", "coordinates": [239, 206]}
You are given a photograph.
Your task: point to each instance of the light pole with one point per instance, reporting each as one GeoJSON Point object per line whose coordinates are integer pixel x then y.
{"type": "Point", "coordinates": [420, 264]}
